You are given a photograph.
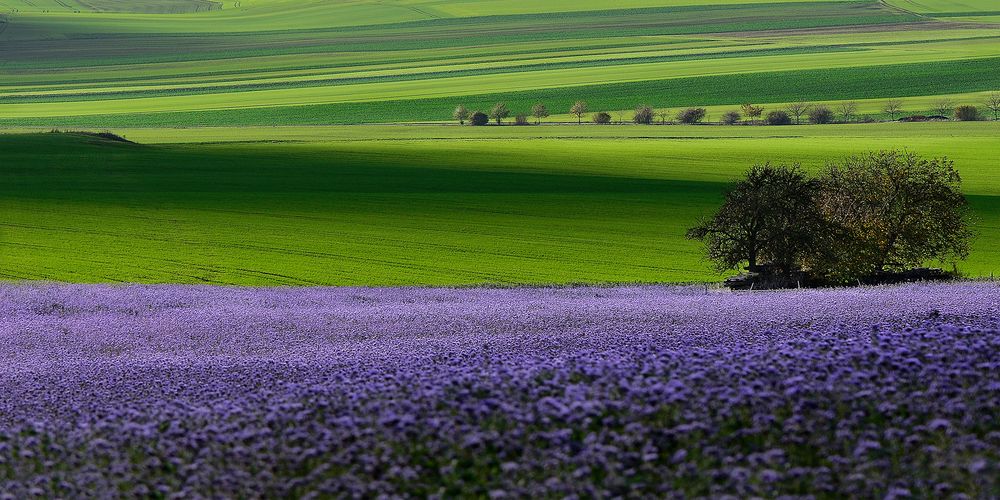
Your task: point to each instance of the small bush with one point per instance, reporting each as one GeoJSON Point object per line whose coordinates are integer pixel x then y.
{"type": "Point", "coordinates": [691, 115]}
{"type": "Point", "coordinates": [778, 118]}
{"type": "Point", "coordinates": [820, 115]}
{"type": "Point", "coordinates": [602, 118]}
{"type": "Point", "coordinates": [731, 117]}
{"type": "Point", "coordinates": [967, 113]}
{"type": "Point", "coordinates": [521, 119]}
{"type": "Point", "coordinates": [643, 115]}
{"type": "Point", "coordinates": [479, 119]}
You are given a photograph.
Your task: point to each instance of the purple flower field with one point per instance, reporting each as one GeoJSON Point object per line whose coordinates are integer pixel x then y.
{"type": "Point", "coordinates": [173, 391]}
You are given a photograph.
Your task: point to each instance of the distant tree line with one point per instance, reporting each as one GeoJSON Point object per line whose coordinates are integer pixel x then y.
{"type": "Point", "coordinates": [748, 114]}
{"type": "Point", "coordinates": [862, 219]}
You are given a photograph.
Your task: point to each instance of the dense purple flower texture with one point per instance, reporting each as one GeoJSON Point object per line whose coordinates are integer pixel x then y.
{"type": "Point", "coordinates": [171, 391]}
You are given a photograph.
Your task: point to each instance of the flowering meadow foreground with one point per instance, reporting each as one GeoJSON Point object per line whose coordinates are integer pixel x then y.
{"type": "Point", "coordinates": [186, 392]}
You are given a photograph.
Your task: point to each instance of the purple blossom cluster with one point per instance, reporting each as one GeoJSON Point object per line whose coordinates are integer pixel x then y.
{"type": "Point", "coordinates": [188, 392]}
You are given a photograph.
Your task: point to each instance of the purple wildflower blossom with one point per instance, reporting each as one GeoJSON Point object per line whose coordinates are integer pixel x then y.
{"type": "Point", "coordinates": [178, 391]}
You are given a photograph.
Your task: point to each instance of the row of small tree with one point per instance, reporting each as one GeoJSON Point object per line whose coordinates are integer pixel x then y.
{"type": "Point", "coordinates": [877, 213]}
{"type": "Point", "coordinates": [848, 112]}
{"type": "Point", "coordinates": [748, 113]}
{"type": "Point", "coordinates": [644, 114]}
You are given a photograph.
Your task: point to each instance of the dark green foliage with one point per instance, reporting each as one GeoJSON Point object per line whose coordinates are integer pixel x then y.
{"type": "Point", "coordinates": [479, 119]}
{"type": "Point", "coordinates": [643, 115]}
{"type": "Point", "coordinates": [521, 119]}
{"type": "Point", "coordinates": [820, 115]}
{"type": "Point", "coordinates": [778, 118]}
{"type": "Point", "coordinates": [691, 115]}
{"type": "Point", "coordinates": [769, 217]}
{"type": "Point", "coordinates": [891, 211]}
{"type": "Point", "coordinates": [602, 118]}
{"type": "Point", "coordinates": [731, 117]}
{"type": "Point", "coordinates": [887, 211]}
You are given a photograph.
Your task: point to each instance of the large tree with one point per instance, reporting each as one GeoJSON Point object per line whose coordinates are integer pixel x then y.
{"type": "Point", "coordinates": [892, 211]}
{"type": "Point", "coordinates": [770, 217]}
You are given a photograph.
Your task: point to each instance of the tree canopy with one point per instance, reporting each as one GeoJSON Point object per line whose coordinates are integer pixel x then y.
{"type": "Point", "coordinates": [893, 210]}
{"type": "Point", "coordinates": [865, 216]}
{"type": "Point", "coordinates": [769, 217]}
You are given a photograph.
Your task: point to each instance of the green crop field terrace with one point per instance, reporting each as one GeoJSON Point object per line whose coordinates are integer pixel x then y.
{"type": "Point", "coordinates": [394, 205]}
{"type": "Point", "coordinates": [310, 142]}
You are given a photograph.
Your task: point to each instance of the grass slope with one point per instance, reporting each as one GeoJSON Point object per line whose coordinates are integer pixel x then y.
{"type": "Point", "coordinates": [413, 205]}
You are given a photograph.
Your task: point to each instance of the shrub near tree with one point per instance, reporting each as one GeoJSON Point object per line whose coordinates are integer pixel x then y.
{"type": "Point", "coordinates": [691, 115]}
{"type": "Point", "coordinates": [778, 118]}
{"type": "Point", "coordinates": [731, 118]}
{"type": "Point", "coordinates": [643, 115]}
{"type": "Point", "coordinates": [602, 118]}
{"type": "Point", "coordinates": [820, 115]}
{"type": "Point", "coordinates": [479, 119]}
{"type": "Point", "coordinates": [521, 119]}
{"type": "Point", "coordinates": [967, 113]}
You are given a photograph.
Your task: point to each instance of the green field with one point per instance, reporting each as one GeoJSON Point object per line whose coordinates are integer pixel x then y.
{"type": "Point", "coordinates": [301, 141]}
{"type": "Point", "coordinates": [266, 62]}
{"type": "Point", "coordinates": [395, 205]}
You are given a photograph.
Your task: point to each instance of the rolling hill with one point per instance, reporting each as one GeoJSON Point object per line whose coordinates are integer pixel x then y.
{"type": "Point", "coordinates": [310, 142]}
